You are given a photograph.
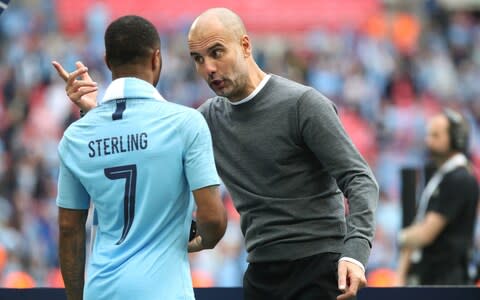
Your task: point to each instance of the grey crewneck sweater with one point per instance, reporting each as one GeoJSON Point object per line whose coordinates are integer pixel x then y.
{"type": "Point", "coordinates": [285, 158]}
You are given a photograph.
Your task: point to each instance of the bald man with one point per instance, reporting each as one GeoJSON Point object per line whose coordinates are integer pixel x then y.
{"type": "Point", "coordinates": [285, 158]}
{"type": "Point", "coordinates": [437, 248]}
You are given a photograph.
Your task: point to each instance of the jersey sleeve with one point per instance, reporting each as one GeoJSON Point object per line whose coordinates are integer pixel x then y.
{"type": "Point", "coordinates": [71, 193]}
{"type": "Point", "coordinates": [199, 162]}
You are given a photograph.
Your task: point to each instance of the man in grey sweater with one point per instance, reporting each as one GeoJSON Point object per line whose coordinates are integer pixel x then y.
{"type": "Point", "coordinates": [284, 156]}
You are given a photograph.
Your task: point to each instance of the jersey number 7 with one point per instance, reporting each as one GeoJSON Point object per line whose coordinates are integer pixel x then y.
{"type": "Point", "coordinates": [129, 173]}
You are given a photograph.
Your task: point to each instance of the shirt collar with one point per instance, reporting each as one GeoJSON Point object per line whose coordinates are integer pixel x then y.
{"type": "Point", "coordinates": [131, 87]}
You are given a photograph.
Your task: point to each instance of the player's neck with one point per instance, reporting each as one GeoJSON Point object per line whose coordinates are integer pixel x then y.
{"type": "Point", "coordinates": [135, 71]}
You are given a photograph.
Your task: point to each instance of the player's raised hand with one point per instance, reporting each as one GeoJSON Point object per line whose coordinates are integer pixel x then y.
{"type": "Point", "coordinates": [350, 279]}
{"type": "Point", "coordinates": [82, 92]}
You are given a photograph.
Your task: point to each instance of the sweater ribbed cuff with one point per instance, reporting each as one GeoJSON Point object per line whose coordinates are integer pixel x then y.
{"type": "Point", "coordinates": [358, 249]}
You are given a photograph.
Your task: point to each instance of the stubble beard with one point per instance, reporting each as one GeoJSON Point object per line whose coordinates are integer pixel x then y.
{"type": "Point", "coordinates": [438, 157]}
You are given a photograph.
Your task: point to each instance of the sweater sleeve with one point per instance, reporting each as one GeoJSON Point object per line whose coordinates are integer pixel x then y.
{"type": "Point", "coordinates": [322, 132]}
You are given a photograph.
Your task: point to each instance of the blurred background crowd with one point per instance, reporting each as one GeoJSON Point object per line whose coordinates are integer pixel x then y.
{"type": "Point", "coordinates": [396, 65]}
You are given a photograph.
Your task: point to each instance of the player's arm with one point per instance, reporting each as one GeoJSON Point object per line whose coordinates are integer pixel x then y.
{"type": "Point", "coordinates": [211, 218]}
{"type": "Point", "coordinates": [82, 92]}
{"type": "Point", "coordinates": [203, 180]}
{"type": "Point", "coordinates": [73, 202]}
{"type": "Point", "coordinates": [71, 223]}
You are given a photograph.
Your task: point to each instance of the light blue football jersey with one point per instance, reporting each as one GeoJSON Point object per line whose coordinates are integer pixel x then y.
{"type": "Point", "coordinates": [137, 157]}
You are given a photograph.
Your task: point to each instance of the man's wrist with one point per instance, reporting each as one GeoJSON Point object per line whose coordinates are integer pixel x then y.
{"type": "Point", "coordinates": [353, 261]}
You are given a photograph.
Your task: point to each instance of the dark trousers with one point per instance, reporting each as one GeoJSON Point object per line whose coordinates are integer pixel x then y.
{"type": "Point", "coordinates": [309, 278]}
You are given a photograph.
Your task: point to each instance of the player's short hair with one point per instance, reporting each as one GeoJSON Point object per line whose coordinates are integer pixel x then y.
{"type": "Point", "coordinates": [129, 40]}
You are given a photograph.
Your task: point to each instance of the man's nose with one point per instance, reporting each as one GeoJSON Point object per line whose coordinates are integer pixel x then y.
{"type": "Point", "coordinates": [210, 66]}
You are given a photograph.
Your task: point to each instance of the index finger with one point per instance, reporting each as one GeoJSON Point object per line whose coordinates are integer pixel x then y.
{"type": "Point", "coordinates": [60, 70]}
{"type": "Point", "coordinates": [342, 277]}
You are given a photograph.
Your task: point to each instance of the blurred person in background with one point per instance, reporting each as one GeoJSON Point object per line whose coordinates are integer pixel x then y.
{"type": "Point", "coordinates": [285, 158]}
{"type": "Point", "coordinates": [438, 248]}
{"type": "Point", "coordinates": [138, 158]}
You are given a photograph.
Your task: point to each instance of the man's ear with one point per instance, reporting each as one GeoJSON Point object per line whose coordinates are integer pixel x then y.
{"type": "Point", "coordinates": [246, 45]}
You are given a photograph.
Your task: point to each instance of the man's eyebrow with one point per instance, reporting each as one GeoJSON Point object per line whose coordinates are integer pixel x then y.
{"type": "Point", "coordinates": [192, 53]}
{"type": "Point", "coordinates": [215, 46]}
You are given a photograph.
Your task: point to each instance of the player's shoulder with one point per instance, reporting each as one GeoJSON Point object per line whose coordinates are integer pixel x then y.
{"type": "Point", "coordinates": [75, 128]}
{"type": "Point", "coordinates": [184, 112]}
{"type": "Point", "coordinates": [174, 112]}
{"type": "Point", "coordinates": [71, 134]}
{"type": "Point", "coordinates": [185, 116]}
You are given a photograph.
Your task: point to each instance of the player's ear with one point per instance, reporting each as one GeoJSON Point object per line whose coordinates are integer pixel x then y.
{"type": "Point", "coordinates": [157, 60]}
{"type": "Point", "coordinates": [106, 61]}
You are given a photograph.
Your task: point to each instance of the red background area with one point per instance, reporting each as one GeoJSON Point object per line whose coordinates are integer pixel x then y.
{"type": "Point", "coordinates": [258, 15]}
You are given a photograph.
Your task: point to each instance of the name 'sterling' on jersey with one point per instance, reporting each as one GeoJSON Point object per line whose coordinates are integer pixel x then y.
{"type": "Point", "coordinates": [118, 144]}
